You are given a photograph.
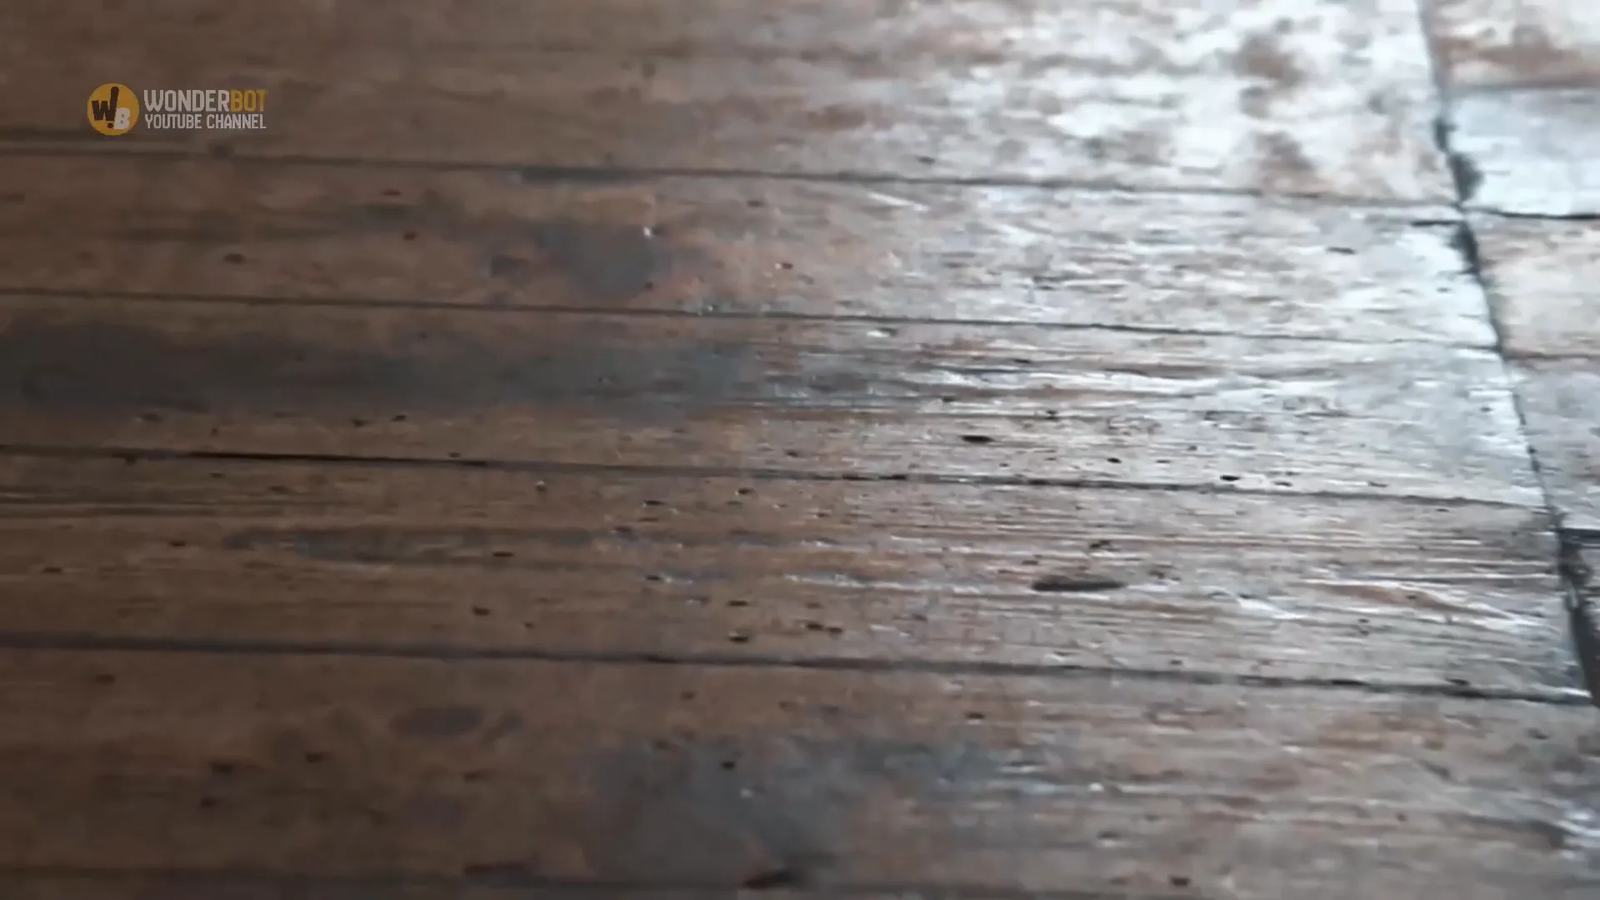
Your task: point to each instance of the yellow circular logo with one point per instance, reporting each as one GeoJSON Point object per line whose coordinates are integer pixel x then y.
{"type": "Point", "coordinates": [113, 109]}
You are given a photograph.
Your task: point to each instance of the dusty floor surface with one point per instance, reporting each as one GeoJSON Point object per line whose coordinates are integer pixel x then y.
{"type": "Point", "coordinates": [877, 449]}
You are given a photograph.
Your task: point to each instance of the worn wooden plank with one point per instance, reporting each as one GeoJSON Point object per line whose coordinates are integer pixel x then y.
{"type": "Point", "coordinates": [716, 776]}
{"type": "Point", "coordinates": [1525, 114]}
{"type": "Point", "coordinates": [102, 885]}
{"type": "Point", "coordinates": [1164, 261]}
{"type": "Point", "coordinates": [1545, 281]}
{"type": "Point", "coordinates": [1561, 403]}
{"type": "Point", "coordinates": [1009, 402]}
{"type": "Point", "coordinates": [1278, 95]}
{"type": "Point", "coordinates": [235, 886]}
{"type": "Point", "coordinates": [1529, 152]}
{"type": "Point", "coordinates": [608, 565]}
{"type": "Point", "coordinates": [1515, 43]}
{"type": "Point", "coordinates": [1580, 557]}
{"type": "Point", "coordinates": [226, 886]}
{"type": "Point", "coordinates": [1542, 276]}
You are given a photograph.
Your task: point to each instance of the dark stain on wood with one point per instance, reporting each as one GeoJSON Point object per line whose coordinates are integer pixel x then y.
{"type": "Point", "coordinates": [118, 367]}
{"type": "Point", "coordinates": [609, 262]}
{"type": "Point", "coordinates": [472, 546]}
{"type": "Point", "coordinates": [1075, 584]}
{"type": "Point", "coordinates": [1472, 55]}
{"type": "Point", "coordinates": [432, 809]}
{"type": "Point", "coordinates": [1466, 174]}
{"type": "Point", "coordinates": [775, 879]}
{"type": "Point", "coordinates": [438, 721]}
{"type": "Point", "coordinates": [1260, 57]}
{"type": "Point", "coordinates": [508, 873]}
{"type": "Point", "coordinates": [409, 545]}
{"type": "Point", "coordinates": [1548, 834]}
{"type": "Point", "coordinates": [763, 815]}
{"type": "Point", "coordinates": [1283, 159]}
{"type": "Point", "coordinates": [508, 724]}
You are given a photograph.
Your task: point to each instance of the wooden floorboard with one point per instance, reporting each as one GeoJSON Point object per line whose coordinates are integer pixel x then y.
{"type": "Point", "coordinates": [738, 246]}
{"type": "Point", "coordinates": [1561, 400]}
{"type": "Point", "coordinates": [715, 777]}
{"type": "Point", "coordinates": [422, 561]}
{"type": "Point", "coordinates": [1580, 557]}
{"type": "Point", "coordinates": [1012, 402]}
{"type": "Point", "coordinates": [1281, 95]}
{"type": "Point", "coordinates": [1542, 279]}
{"type": "Point", "coordinates": [1525, 80]}
{"type": "Point", "coordinates": [1527, 44]}
{"type": "Point", "coordinates": [243, 886]}
{"type": "Point", "coordinates": [879, 449]}
{"type": "Point", "coordinates": [1528, 153]}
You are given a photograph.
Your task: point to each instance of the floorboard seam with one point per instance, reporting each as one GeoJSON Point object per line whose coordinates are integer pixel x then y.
{"type": "Point", "coordinates": [25, 293]}
{"type": "Point", "coordinates": [1583, 621]}
{"type": "Point", "coordinates": [134, 455]}
{"type": "Point", "coordinates": [1493, 212]}
{"type": "Point", "coordinates": [536, 174]}
{"type": "Point", "coordinates": [522, 881]}
{"type": "Point", "coordinates": [63, 642]}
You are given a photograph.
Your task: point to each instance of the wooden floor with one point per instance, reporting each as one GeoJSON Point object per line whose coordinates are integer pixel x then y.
{"type": "Point", "coordinates": [876, 449]}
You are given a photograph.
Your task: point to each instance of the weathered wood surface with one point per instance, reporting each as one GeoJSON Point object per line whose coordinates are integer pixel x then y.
{"type": "Point", "coordinates": [1276, 95]}
{"type": "Point", "coordinates": [224, 886]}
{"type": "Point", "coordinates": [1544, 278]}
{"type": "Point", "coordinates": [1530, 152]}
{"type": "Point", "coordinates": [1561, 401]}
{"type": "Point", "coordinates": [1500, 44]}
{"type": "Point", "coordinates": [1544, 281]}
{"type": "Point", "coordinates": [1525, 111]}
{"type": "Point", "coordinates": [281, 556]}
{"type": "Point", "coordinates": [1238, 265]}
{"type": "Point", "coordinates": [208, 886]}
{"type": "Point", "coordinates": [717, 776]}
{"type": "Point", "coordinates": [1580, 557]}
{"type": "Point", "coordinates": [1007, 402]}
{"type": "Point", "coordinates": [1188, 546]}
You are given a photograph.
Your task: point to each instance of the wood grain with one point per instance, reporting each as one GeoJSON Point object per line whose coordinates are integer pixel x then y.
{"type": "Point", "coordinates": [205, 886]}
{"type": "Point", "coordinates": [1561, 403]}
{"type": "Point", "coordinates": [223, 886]}
{"type": "Point", "coordinates": [1529, 152]}
{"type": "Point", "coordinates": [1545, 280]}
{"type": "Point", "coordinates": [1580, 557]}
{"type": "Point", "coordinates": [1006, 402]}
{"type": "Point", "coordinates": [235, 886]}
{"type": "Point", "coordinates": [716, 776]}
{"type": "Point", "coordinates": [738, 246]}
{"type": "Point", "coordinates": [1276, 95]}
{"type": "Point", "coordinates": [1516, 43]}
{"type": "Point", "coordinates": [819, 448]}
{"type": "Point", "coordinates": [609, 566]}
{"type": "Point", "coordinates": [1542, 276]}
